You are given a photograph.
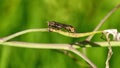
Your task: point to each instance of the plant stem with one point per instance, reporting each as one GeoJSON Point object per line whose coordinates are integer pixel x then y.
{"type": "Point", "coordinates": [54, 46]}
{"type": "Point", "coordinates": [82, 56]}
{"type": "Point", "coordinates": [103, 20]}
{"type": "Point", "coordinates": [57, 46]}
{"type": "Point", "coordinates": [21, 33]}
{"type": "Point", "coordinates": [32, 45]}
{"type": "Point", "coordinates": [76, 35]}
{"type": "Point", "coordinates": [110, 52]}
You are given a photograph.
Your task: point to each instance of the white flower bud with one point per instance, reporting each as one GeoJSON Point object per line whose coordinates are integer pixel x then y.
{"type": "Point", "coordinates": [113, 32]}
{"type": "Point", "coordinates": [118, 37]}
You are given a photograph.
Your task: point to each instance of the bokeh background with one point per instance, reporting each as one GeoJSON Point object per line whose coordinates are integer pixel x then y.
{"type": "Point", "coordinates": [84, 15]}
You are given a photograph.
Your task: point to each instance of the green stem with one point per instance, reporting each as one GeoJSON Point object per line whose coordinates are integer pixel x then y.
{"type": "Point", "coordinates": [21, 33]}
{"type": "Point", "coordinates": [53, 46]}
{"type": "Point", "coordinates": [75, 35]}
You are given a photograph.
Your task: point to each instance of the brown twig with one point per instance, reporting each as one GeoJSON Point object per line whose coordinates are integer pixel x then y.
{"type": "Point", "coordinates": [103, 20]}
{"type": "Point", "coordinates": [97, 28]}
{"type": "Point", "coordinates": [82, 56]}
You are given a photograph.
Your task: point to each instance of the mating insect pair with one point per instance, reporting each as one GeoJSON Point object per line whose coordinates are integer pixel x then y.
{"type": "Point", "coordinates": [60, 26]}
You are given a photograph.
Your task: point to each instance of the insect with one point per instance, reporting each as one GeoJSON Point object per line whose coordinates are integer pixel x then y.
{"type": "Point", "coordinates": [60, 26]}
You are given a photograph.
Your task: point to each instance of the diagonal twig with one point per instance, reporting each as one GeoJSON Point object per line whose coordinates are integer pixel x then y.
{"type": "Point", "coordinates": [97, 28]}
{"type": "Point", "coordinates": [103, 20]}
{"type": "Point", "coordinates": [82, 56]}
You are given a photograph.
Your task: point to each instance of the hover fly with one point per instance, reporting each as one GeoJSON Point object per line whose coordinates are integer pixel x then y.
{"type": "Point", "coordinates": [60, 26]}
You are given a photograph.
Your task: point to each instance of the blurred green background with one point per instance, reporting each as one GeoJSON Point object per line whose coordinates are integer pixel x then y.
{"type": "Point", "coordinates": [84, 15]}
